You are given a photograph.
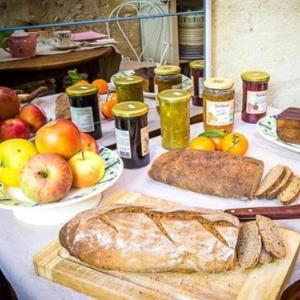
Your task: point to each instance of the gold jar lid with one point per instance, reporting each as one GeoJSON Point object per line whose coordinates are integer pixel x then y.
{"type": "Point", "coordinates": [256, 76]}
{"type": "Point", "coordinates": [197, 64]}
{"type": "Point", "coordinates": [167, 70]}
{"type": "Point", "coordinates": [81, 90]}
{"type": "Point", "coordinates": [128, 80]}
{"type": "Point", "coordinates": [175, 96]}
{"type": "Point", "coordinates": [130, 109]}
{"type": "Point", "coordinates": [218, 83]}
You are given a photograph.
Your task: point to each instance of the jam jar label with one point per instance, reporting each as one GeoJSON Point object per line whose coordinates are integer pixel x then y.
{"type": "Point", "coordinates": [256, 102]}
{"type": "Point", "coordinates": [123, 143]}
{"type": "Point", "coordinates": [145, 141]}
{"type": "Point", "coordinates": [83, 118]}
{"type": "Point", "coordinates": [219, 113]}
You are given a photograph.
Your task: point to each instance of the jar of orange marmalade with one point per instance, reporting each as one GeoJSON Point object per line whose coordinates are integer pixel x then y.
{"type": "Point", "coordinates": [255, 89]}
{"type": "Point", "coordinates": [218, 104]}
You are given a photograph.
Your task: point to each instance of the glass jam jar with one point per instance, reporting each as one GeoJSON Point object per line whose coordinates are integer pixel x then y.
{"type": "Point", "coordinates": [218, 104]}
{"type": "Point", "coordinates": [197, 76]}
{"type": "Point", "coordinates": [131, 129]}
{"type": "Point", "coordinates": [84, 108]}
{"type": "Point", "coordinates": [166, 77]}
{"type": "Point", "coordinates": [255, 90]}
{"type": "Point", "coordinates": [175, 118]}
{"type": "Point", "coordinates": [130, 88]}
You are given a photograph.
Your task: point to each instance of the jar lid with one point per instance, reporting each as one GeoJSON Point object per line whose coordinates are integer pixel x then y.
{"type": "Point", "coordinates": [167, 70]}
{"type": "Point", "coordinates": [128, 80]}
{"type": "Point", "coordinates": [197, 64]}
{"type": "Point", "coordinates": [81, 90]}
{"type": "Point", "coordinates": [175, 96]}
{"type": "Point", "coordinates": [130, 109]}
{"type": "Point", "coordinates": [256, 76]}
{"type": "Point", "coordinates": [218, 83]}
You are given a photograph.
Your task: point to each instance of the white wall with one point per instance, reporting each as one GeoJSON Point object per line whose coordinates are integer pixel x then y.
{"type": "Point", "coordinates": [259, 34]}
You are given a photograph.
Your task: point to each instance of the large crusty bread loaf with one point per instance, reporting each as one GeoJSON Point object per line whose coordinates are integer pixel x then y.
{"type": "Point", "coordinates": [213, 173]}
{"type": "Point", "coordinates": [148, 239]}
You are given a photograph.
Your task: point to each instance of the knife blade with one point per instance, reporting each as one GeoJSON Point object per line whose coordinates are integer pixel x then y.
{"type": "Point", "coordinates": [273, 212]}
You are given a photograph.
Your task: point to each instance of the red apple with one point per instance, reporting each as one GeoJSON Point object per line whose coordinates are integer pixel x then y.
{"type": "Point", "coordinates": [87, 167]}
{"type": "Point", "coordinates": [9, 103]}
{"type": "Point", "coordinates": [33, 116]}
{"type": "Point", "coordinates": [88, 143]}
{"type": "Point", "coordinates": [14, 128]}
{"type": "Point", "coordinates": [61, 137]}
{"type": "Point", "coordinates": [46, 178]}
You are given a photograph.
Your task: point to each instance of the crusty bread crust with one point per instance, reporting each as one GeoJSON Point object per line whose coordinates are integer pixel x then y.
{"type": "Point", "coordinates": [214, 173]}
{"type": "Point", "coordinates": [152, 239]}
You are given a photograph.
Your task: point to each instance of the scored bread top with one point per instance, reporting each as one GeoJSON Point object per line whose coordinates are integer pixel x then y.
{"type": "Point", "coordinates": [151, 239]}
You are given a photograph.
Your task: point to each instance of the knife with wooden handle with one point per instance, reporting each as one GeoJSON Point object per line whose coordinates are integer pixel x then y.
{"type": "Point", "coordinates": [275, 213]}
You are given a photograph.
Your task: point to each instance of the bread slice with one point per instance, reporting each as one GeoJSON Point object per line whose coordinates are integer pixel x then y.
{"type": "Point", "coordinates": [249, 245]}
{"type": "Point", "coordinates": [273, 177]}
{"type": "Point", "coordinates": [264, 257]}
{"type": "Point", "coordinates": [270, 234]}
{"type": "Point", "coordinates": [281, 184]}
{"type": "Point", "coordinates": [291, 192]}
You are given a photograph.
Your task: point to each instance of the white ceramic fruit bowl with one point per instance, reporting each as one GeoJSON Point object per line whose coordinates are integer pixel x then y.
{"type": "Point", "coordinates": [75, 201]}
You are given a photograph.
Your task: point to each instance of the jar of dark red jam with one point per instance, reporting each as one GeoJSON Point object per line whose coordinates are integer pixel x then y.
{"type": "Point", "coordinates": [255, 92]}
{"type": "Point", "coordinates": [131, 129]}
{"type": "Point", "coordinates": [197, 77]}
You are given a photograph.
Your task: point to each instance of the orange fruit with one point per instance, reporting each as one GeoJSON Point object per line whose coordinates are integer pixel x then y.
{"type": "Point", "coordinates": [107, 107]}
{"type": "Point", "coordinates": [217, 141]}
{"type": "Point", "coordinates": [101, 85]}
{"type": "Point", "coordinates": [82, 81]}
{"type": "Point", "coordinates": [234, 143]}
{"type": "Point", "coordinates": [202, 143]}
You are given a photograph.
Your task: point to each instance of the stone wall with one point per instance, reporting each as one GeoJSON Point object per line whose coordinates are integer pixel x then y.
{"type": "Point", "coordinates": [18, 12]}
{"type": "Point", "coordinates": [259, 34]}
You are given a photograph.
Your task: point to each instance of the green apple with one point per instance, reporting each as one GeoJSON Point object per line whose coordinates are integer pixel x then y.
{"type": "Point", "coordinates": [88, 168]}
{"type": "Point", "coordinates": [14, 153]}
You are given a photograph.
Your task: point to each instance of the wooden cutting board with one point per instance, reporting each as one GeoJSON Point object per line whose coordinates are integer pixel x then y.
{"type": "Point", "coordinates": [264, 282]}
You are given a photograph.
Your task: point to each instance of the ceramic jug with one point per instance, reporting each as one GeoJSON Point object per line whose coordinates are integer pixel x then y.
{"type": "Point", "coordinates": [22, 44]}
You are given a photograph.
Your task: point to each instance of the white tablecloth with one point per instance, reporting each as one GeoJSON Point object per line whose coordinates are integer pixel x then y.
{"type": "Point", "coordinates": [20, 241]}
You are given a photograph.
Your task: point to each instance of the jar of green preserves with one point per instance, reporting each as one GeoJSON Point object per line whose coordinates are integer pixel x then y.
{"type": "Point", "coordinates": [175, 118]}
{"type": "Point", "coordinates": [130, 88]}
{"type": "Point", "coordinates": [166, 77]}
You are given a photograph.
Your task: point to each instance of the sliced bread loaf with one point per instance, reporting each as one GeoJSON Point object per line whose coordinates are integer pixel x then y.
{"type": "Point", "coordinates": [291, 192]}
{"type": "Point", "coordinates": [282, 184]}
{"type": "Point", "coordinates": [270, 234]}
{"type": "Point", "coordinates": [249, 245]}
{"type": "Point", "coordinates": [273, 177]}
{"type": "Point", "coordinates": [264, 257]}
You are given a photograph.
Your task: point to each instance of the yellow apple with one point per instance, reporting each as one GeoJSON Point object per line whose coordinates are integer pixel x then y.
{"type": "Point", "coordinates": [88, 168]}
{"type": "Point", "coordinates": [14, 153]}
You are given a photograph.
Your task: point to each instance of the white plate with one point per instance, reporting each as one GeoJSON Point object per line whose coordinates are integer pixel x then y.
{"type": "Point", "coordinates": [186, 82]}
{"type": "Point", "coordinates": [75, 201]}
{"type": "Point", "coordinates": [267, 128]}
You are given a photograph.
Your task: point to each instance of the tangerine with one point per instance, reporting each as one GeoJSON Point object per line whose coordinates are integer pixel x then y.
{"type": "Point", "coordinates": [234, 143]}
{"type": "Point", "coordinates": [101, 85]}
{"type": "Point", "coordinates": [202, 143]}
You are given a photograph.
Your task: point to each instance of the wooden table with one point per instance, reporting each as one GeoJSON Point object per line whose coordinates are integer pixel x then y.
{"type": "Point", "coordinates": [56, 66]}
